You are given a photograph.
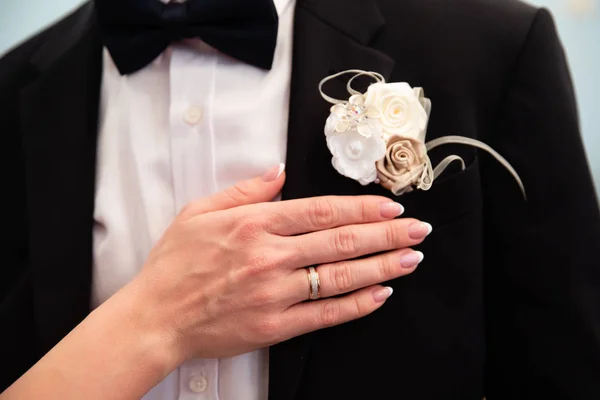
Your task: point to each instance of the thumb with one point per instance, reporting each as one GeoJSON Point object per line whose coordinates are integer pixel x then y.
{"type": "Point", "coordinates": [256, 190]}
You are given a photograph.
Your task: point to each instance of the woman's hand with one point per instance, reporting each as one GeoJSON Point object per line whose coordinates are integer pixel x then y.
{"type": "Point", "coordinates": [229, 275]}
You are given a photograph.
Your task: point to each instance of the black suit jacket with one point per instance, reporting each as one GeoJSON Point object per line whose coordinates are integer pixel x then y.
{"type": "Point", "coordinates": [507, 301]}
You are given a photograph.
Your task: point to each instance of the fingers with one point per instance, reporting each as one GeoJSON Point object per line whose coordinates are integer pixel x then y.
{"type": "Point", "coordinates": [348, 276]}
{"type": "Point", "coordinates": [251, 191]}
{"type": "Point", "coordinates": [354, 241]}
{"type": "Point", "coordinates": [295, 217]}
{"type": "Point", "coordinates": [313, 315]}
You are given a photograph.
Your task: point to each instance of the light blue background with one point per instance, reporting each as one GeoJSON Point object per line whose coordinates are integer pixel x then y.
{"type": "Point", "coordinates": [580, 34]}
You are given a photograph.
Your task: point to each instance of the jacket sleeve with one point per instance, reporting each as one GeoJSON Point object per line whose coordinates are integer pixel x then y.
{"type": "Point", "coordinates": [542, 255]}
{"type": "Point", "coordinates": [18, 347]}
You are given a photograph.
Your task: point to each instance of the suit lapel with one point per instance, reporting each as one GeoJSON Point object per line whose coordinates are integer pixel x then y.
{"type": "Point", "coordinates": [330, 36]}
{"type": "Point", "coordinates": [59, 120]}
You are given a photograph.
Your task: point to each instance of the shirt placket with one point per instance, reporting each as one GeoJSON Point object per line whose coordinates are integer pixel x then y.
{"type": "Point", "coordinates": [192, 176]}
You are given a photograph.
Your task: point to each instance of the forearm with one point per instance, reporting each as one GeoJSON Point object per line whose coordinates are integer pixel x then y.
{"type": "Point", "coordinates": [114, 354]}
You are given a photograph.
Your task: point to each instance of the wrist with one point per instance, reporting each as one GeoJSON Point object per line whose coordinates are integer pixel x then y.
{"type": "Point", "coordinates": [155, 340]}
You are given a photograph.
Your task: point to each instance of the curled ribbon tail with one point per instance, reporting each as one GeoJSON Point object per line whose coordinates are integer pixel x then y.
{"type": "Point", "coordinates": [475, 143]}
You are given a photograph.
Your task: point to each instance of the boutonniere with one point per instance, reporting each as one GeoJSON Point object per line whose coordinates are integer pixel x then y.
{"type": "Point", "coordinates": [379, 136]}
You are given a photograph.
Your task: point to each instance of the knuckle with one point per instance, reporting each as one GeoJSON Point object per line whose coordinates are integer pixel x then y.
{"type": "Point", "coordinates": [363, 210]}
{"type": "Point", "coordinates": [248, 229]}
{"type": "Point", "coordinates": [263, 297]}
{"type": "Point", "coordinates": [239, 191]}
{"type": "Point", "coordinates": [342, 276]}
{"type": "Point", "coordinates": [391, 235]}
{"type": "Point", "coordinates": [322, 212]}
{"type": "Point", "coordinates": [261, 263]}
{"type": "Point", "coordinates": [331, 313]}
{"type": "Point", "coordinates": [358, 310]}
{"type": "Point", "coordinates": [387, 269]}
{"type": "Point", "coordinates": [346, 241]}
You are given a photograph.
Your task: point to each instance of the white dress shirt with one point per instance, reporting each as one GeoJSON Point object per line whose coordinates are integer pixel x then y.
{"type": "Point", "coordinates": [190, 124]}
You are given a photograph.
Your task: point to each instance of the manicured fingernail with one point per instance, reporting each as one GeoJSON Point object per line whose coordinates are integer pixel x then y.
{"type": "Point", "coordinates": [273, 173]}
{"type": "Point", "coordinates": [382, 294]}
{"type": "Point", "coordinates": [419, 230]}
{"type": "Point", "coordinates": [391, 210]}
{"type": "Point", "coordinates": [411, 260]}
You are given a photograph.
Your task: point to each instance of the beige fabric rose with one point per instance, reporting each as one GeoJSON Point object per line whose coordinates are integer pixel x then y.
{"type": "Point", "coordinates": [404, 163]}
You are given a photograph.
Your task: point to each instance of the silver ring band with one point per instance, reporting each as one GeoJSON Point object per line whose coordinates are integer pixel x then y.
{"type": "Point", "coordinates": [314, 283]}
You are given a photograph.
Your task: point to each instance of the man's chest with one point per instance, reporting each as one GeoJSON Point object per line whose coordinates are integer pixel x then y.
{"type": "Point", "coordinates": [188, 125]}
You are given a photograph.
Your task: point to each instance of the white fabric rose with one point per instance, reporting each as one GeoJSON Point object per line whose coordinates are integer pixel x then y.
{"type": "Point", "coordinates": [355, 155]}
{"type": "Point", "coordinates": [331, 124]}
{"type": "Point", "coordinates": [404, 110]}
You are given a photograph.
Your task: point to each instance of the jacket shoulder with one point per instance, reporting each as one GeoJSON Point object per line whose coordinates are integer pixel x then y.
{"type": "Point", "coordinates": [477, 41]}
{"type": "Point", "coordinates": [507, 20]}
{"type": "Point", "coordinates": [16, 64]}
{"type": "Point", "coordinates": [509, 14]}
{"type": "Point", "coordinates": [496, 24]}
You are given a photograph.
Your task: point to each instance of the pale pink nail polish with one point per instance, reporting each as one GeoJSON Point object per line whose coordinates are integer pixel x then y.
{"type": "Point", "coordinates": [419, 230]}
{"type": "Point", "coordinates": [391, 209]}
{"type": "Point", "coordinates": [382, 294]}
{"type": "Point", "coordinates": [273, 173]}
{"type": "Point", "coordinates": [411, 259]}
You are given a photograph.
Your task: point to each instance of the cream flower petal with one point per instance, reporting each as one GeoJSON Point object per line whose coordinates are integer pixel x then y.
{"type": "Point", "coordinates": [342, 125]}
{"type": "Point", "coordinates": [331, 123]}
{"type": "Point", "coordinates": [403, 109]}
{"type": "Point", "coordinates": [373, 112]}
{"type": "Point", "coordinates": [357, 100]}
{"type": "Point", "coordinates": [364, 129]}
{"type": "Point", "coordinates": [338, 110]}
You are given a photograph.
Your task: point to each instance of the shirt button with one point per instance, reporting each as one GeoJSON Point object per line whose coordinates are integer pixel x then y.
{"type": "Point", "coordinates": [198, 384]}
{"type": "Point", "coordinates": [192, 115]}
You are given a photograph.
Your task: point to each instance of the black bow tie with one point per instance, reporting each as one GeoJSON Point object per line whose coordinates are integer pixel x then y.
{"type": "Point", "coordinates": [135, 32]}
